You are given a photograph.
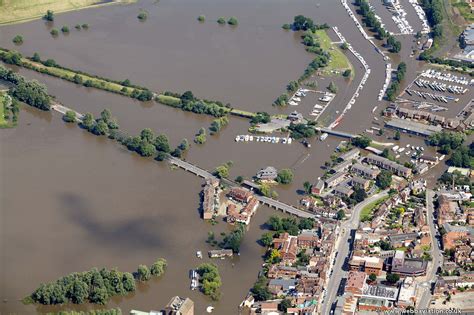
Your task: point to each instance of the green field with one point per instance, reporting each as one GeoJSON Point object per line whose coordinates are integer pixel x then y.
{"type": "Point", "coordinates": [13, 11]}
{"type": "Point", "coordinates": [339, 61]}
{"type": "Point", "coordinates": [367, 211]}
{"type": "Point", "coordinates": [464, 9]}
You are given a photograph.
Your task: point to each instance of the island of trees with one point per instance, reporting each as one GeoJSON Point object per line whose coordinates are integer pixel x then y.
{"type": "Point", "coordinates": [210, 280]}
{"type": "Point", "coordinates": [93, 286]}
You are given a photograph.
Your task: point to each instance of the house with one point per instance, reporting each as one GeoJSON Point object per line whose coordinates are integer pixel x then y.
{"type": "Point", "coordinates": [220, 253]}
{"type": "Point", "coordinates": [240, 194]}
{"type": "Point", "coordinates": [317, 188]}
{"type": "Point", "coordinates": [342, 167]}
{"type": "Point", "coordinates": [455, 234]}
{"type": "Point", "coordinates": [367, 264]}
{"type": "Point", "coordinates": [360, 182]}
{"type": "Point", "coordinates": [364, 171]}
{"type": "Point", "coordinates": [429, 160]}
{"type": "Point", "coordinates": [281, 286]}
{"type": "Point", "coordinates": [208, 200]}
{"type": "Point", "coordinates": [421, 168]}
{"type": "Point", "coordinates": [388, 165]}
{"type": "Point", "coordinates": [179, 306]}
{"type": "Point", "coordinates": [335, 179]}
{"type": "Point", "coordinates": [287, 246]}
{"type": "Point", "coordinates": [402, 240]}
{"type": "Point", "coordinates": [308, 239]}
{"type": "Point", "coordinates": [269, 307]}
{"type": "Point", "coordinates": [343, 191]}
{"type": "Point", "coordinates": [350, 155]}
{"type": "Point", "coordinates": [269, 173]}
{"type": "Point", "coordinates": [356, 280]}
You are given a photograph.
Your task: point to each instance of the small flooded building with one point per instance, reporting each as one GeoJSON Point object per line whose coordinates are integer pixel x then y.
{"type": "Point", "coordinates": [220, 253]}
{"type": "Point", "coordinates": [269, 173]}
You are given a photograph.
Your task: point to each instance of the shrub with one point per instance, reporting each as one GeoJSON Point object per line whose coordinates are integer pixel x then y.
{"type": "Point", "coordinates": [233, 21]}
{"type": "Point", "coordinates": [65, 29]}
{"type": "Point", "coordinates": [18, 39]}
{"type": "Point", "coordinates": [142, 16]}
{"type": "Point", "coordinates": [201, 18]}
{"type": "Point", "coordinates": [54, 32]}
{"type": "Point", "coordinates": [221, 20]}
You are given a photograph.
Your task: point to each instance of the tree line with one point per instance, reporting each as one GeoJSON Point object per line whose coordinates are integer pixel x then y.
{"type": "Point", "coordinates": [94, 286]}
{"type": "Point", "coordinates": [188, 102]}
{"type": "Point", "coordinates": [30, 92]}
{"type": "Point", "coordinates": [392, 91]}
{"type": "Point", "coordinates": [452, 142]}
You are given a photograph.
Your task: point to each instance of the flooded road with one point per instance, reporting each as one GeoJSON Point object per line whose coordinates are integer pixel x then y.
{"type": "Point", "coordinates": [73, 192]}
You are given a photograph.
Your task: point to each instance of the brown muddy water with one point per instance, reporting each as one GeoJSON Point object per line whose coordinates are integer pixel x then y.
{"type": "Point", "coordinates": [71, 201]}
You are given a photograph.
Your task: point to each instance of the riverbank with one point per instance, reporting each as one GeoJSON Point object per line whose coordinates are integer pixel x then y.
{"type": "Point", "coordinates": [20, 11]}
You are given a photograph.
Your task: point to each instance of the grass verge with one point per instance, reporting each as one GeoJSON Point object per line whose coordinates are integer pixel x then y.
{"type": "Point", "coordinates": [339, 61]}
{"type": "Point", "coordinates": [367, 212]}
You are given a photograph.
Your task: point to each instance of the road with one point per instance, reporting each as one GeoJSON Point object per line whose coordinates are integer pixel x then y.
{"type": "Point", "coordinates": [435, 253]}
{"type": "Point", "coordinates": [343, 251]}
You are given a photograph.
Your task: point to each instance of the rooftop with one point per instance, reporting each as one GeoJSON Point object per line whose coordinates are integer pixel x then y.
{"type": "Point", "coordinates": [422, 129]}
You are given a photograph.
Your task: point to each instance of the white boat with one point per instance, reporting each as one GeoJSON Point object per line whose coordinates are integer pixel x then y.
{"type": "Point", "coordinates": [395, 148]}
{"type": "Point", "coordinates": [199, 254]}
{"type": "Point", "coordinates": [318, 106]}
{"type": "Point", "coordinates": [401, 150]}
{"type": "Point", "coordinates": [209, 309]}
{"type": "Point", "coordinates": [237, 138]}
{"type": "Point", "coordinates": [323, 136]}
{"type": "Point", "coordinates": [292, 103]}
{"type": "Point", "coordinates": [296, 99]}
{"type": "Point", "coordinates": [290, 140]}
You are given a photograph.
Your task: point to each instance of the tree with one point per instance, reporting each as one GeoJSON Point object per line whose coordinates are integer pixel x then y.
{"type": "Point", "coordinates": [18, 39]}
{"type": "Point", "coordinates": [260, 290]}
{"type": "Point", "coordinates": [303, 23]}
{"type": "Point", "coordinates": [77, 27]}
{"type": "Point", "coordinates": [50, 63]}
{"type": "Point", "coordinates": [88, 121]}
{"type": "Point", "coordinates": [286, 26]}
{"type": "Point", "coordinates": [285, 176]}
{"type": "Point", "coordinates": [36, 57]}
{"type": "Point", "coordinates": [184, 145]}
{"type": "Point", "coordinates": [178, 153]}
{"type": "Point", "coordinates": [85, 26]}
{"type": "Point", "coordinates": [147, 135]}
{"type": "Point", "coordinates": [65, 29]}
{"type": "Point", "coordinates": [77, 79]}
{"type": "Point", "coordinates": [221, 20]}
{"type": "Point", "coordinates": [347, 73]}
{"type": "Point", "coordinates": [142, 16]}
{"type": "Point", "coordinates": [70, 116]}
{"type": "Point", "coordinates": [307, 187]}
{"type": "Point", "coordinates": [372, 277]}
{"type": "Point", "coordinates": [158, 267]}
{"type": "Point", "coordinates": [344, 46]}
{"type": "Point", "coordinates": [341, 215]}
{"type": "Point", "coordinates": [54, 32]}
{"type": "Point", "coordinates": [267, 239]}
{"type": "Point", "coordinates": [162, 143]}
{"type": "Point", "coordinates": [361, 141]}
{"type": "Point", "coordinates": [78, 292]}
{"type": "Point", "coordinates": [239, 179]}
{"type": "Point", "coordinates": [332, 87]}
{"type": "Point", "coordinates": [233, 21]}
{"type": "Point", "coordinates": [383, 179]}
{"type": "Point", "coordinates": [49, 16]}
{"type": "Point", "coordinates": [146, 149]}
{"type": "Point", "coordinates": [397, 135]}
{"type": "Point", "coordinates": [392, 278]}
{"type": "Point", "coordinates": [100, 128]}
{"type": "Point", "coordinates": [306, 224]}
{"type": "Point", "coordinates": [201, 18]}
{"type": "Point", "coordinates": [128, 282]}
{"type": "Point", "coordinates": [143, 273]}
{"type": "Point", "coordinates": [284, 305]}
{"type": "Point", "coordinates": [385, 153]}
{"type": "Point", "coordinates": [359, 194]}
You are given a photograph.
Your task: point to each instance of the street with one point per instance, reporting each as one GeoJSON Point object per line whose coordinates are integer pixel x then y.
{"type": "Point", "coordinates": [338, 273]}
{"type": "Point", "coordinates": [435, 253]}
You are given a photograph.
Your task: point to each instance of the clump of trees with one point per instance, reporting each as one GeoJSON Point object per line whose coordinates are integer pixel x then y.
{"type": "Point", "coordinates": [218, 123]}
{"type": "Point", "coordinates": [100, 126]}
{"type": "Point", "coordinates": [392, 91]}
{"type": "Point", "coordinates": [281, 100]}
{"type": "Point", "coordinates": [289, 225]}
{"type": "Point", "coordinates": [70, 116]}
{"type": "Point", "coordinates": [260, 118]}
{"type": "Point", "coordinates": [285, 176]}
{"type": "Point", "coordinates": [446, 141]}
{"type": "Point", "coordinates": [361, 141]}
{"type": "Point", "coordinates": [200, 137]}
{"type": "Point", "coordinates": [233, 21]}
{"type": "Point", "coordinates": [210, 280]}
{"type": "Point", "coordinates": [369, 18]}
{"type": "Point", "coordinates": [394, 45]}
{"type": "Point", "coordinates": [143, 15]}
{"type": "Point", "coordinates": [260, 290]}
{"type": "Point", "coordinates": [12, 58]}
{"type": "Point", "coordinates": [333, 87]}
{"type": "Point", "coordinates": [299, 131]}
{"type": "Point", "coordinates": [222, 171]}
{"type": "Point", "coordinates": [188, 102]}
{"type": "Point", "coordinates": [32, 93]}
{"type": "Point", "coordinates": [92, 286]}
{"type": "Point", "coordinates": [234, 239]}
{"type": "Point", "coordinates": [18, 39]}
{"type": "Point", "coordinates": [221, 20]}
{"type": "Point", "coordinates": [49, 16]}
{"type": "Point", "coordinates": [384, 179]}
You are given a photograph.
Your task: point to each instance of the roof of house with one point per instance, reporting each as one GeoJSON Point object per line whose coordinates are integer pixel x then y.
{"type": "Point", "coordinates": [356, 279]}
{"type": "Point", "coordinates": [335, 177]}
{"type": "Point", "coordinates": [349, 155]}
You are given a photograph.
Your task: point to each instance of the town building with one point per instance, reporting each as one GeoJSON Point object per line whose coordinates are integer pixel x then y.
{"type": "Point", "coordinates": [267, 174]}
{"type": "Point", "coordinates": [342, 190]}
{"type": "Point", "coordinates": [413, 127]}
{"type": "Point", "coordinates": [364, 171]}
{"type": "Point", "coordinates": [295, 117]}
{"type": "Point", "coordinates": [281, 287]}
{"type": "Point", "coordinates": [317, 188]}
{"type": "Point", "coordinates": [408, 267]}
{"type": "Point", "coordinates": [350, 155]}
{"type": "Point", "coordinates": [402, 239]}
{"type": "Point", "coordinates": [179, 306]}
{"type": "Point", "coordinates": [335, 179]}
{"type": "Point", "coordinates": [209, 201]}
{"type": "Point", "coordinates": [455, 235]}
{"type": "Point", "coordinates": [240, 194]}
{"type": "Point", "coordinates": [356, 280]}
{"type": "Point", "coordinates": [342, 167]}
{"type": "Point", "coordinates": [360, 182]}
{"type": "Point", "coordinates": [388, 165]}
{"type": "Point", "coordinates": [366, 264]}
{"type": "Point", "coordinates": [287, 246]}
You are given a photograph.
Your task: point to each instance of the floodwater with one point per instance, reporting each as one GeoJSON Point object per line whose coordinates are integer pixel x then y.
{"type": "Point", "coordinates": [77, 193]}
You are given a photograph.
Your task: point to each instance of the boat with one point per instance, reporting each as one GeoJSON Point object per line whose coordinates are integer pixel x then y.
{"type": "Point", "coordinates": [395, 148]}
{"type": "Point", "coordinates": [296, 99]}
{"type": "Point", "coordinates": [292, 103]}
{"type": "Point", "coordinates": [199, 254]}
{"type": "Point", "coordinates": [323, 136]}
{"type": "Point", "coordinates": [209, 309]}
